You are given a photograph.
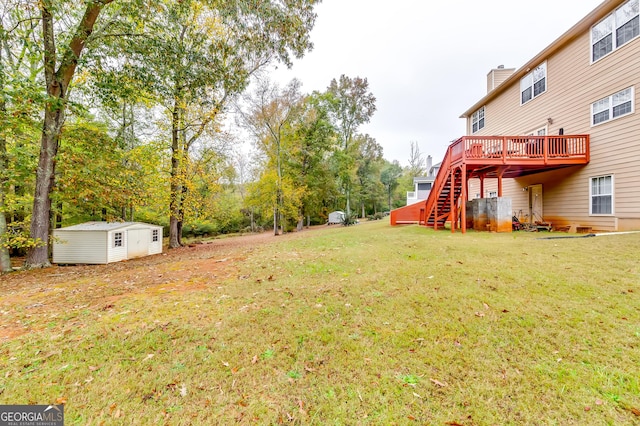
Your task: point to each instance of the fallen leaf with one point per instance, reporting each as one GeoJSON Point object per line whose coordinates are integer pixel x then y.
{"type": "Point", "coordinates": [504, 311]}
{"type": "Point", "coordinates": [61, 400]}
{"type": "Point", "coordinates": [438, 383]}
{"type": "Point", "coordinates": [254, 359]}
{"type": "Point", "coordinates": [480, 314]}
{"type": "Point", "coordinates": [183, 390]}
{"type": "Point", "coordinates": [599, 402]}
{"type": "Point", "coordinates": [587, 408]}
{"type": "Point", "coordinates": [453, 424]}
{"type": "Point", "coordinates": [634, 410]}
{"type": "Point", "coordinates": [411, 418]}
{"type": "Point", "coordinates": [92, 368]}
{"type": "Point", "coordinates": [271, 278]}
{"type": "Point", "coordinates": [485, 306]}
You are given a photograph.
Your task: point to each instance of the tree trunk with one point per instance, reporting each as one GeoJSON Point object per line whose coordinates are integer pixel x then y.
{"type": "Point", "coordinates": [38, 257]}
{"type": "Point", "coordinates": [175, 202]}
{"type": "Point", "coordinates": [275, 221]}
{"type": "Point", "coordinates": [5, 259]}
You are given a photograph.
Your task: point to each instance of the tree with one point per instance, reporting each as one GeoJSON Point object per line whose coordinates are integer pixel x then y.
{"type": "Point", "coordinates": [200, 54]}
{"type": "Point", "coordinates": [19, 103]}
{"type": "Point", "coordinates": [59, 69]}
{"type": "Point", "coordinates": [389, 177]}
{"type": "Point", "coordinates": [270, 113]}
{"type": "Point", "coordinates": [417, 166]}
{"type": "Point", "coordinates": [369, 160]}
{"type": "Point", "coordinates": [307, 145]}
{"type": "Point", "coordinates": [350, 105]}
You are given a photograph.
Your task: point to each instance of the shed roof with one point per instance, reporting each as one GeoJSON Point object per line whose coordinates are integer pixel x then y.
{"type": "Point", "coordinates": [103, 226]}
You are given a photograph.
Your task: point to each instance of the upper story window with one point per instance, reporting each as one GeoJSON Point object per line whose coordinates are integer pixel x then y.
{"type": "Point", "coordinates": [615, 30]}
{"type": "Point", "coordinates": [477, 120]}
{"type": "Point", "coordinates": [614, 106]}
{"type": "Point", "coordinates": [533, 84]}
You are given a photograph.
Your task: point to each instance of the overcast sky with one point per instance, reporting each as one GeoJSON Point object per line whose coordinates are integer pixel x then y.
{"type": "Point", "coordinates": [426, 61]}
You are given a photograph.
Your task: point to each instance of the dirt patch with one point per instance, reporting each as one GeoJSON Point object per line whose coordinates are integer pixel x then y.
{"type": "Point", "coordinates": [28, 297]}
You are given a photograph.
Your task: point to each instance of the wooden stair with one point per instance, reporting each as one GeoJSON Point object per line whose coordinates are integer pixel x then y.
{"type": "Point", "coordinates": [489, 157]}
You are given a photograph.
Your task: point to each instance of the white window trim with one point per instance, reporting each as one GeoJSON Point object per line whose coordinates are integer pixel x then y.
{"type": "Point", "coordinates": [121, 239]}
{"type": "Point", "coordinates": [530, 74]}
{"type": "Point", "coordinates": [475, 118]}
{"type": "Point", "coordinates": [536, 131]}
{"type": "Point", "coordinates": [613, 199]}
{"type": "Point", "coordinates": [610, 98]}
{"type": "Point", "coordinates": [615, 27]}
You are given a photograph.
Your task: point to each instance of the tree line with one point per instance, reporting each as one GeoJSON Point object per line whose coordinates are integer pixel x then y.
{"type": "Point", "coordinates": [122, 110]}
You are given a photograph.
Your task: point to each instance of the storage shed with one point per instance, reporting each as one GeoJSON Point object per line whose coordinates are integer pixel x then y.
{"type": "Point", "coordinates": [336, 217]}
{"type": "Point", "coordinates": [105, 242]}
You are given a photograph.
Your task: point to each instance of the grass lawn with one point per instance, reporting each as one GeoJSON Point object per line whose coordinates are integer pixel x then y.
{"type": "Point", "coordinates": [361, 325]}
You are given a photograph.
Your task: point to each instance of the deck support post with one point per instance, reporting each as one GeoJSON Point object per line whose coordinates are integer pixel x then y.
{"type": "Point", "coordinates": [463, 200]}
{"type": "Point", "coordinates": [453, 214]}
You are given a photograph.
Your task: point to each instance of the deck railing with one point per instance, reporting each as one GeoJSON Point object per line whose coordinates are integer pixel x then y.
{"type": "Point", "coordinates": [520, 148]}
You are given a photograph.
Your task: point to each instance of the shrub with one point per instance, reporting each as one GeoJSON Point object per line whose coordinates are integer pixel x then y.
{"type": "Point", "coordinates": [351, 219]}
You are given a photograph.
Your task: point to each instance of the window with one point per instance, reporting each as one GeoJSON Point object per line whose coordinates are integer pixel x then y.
{"type": "Point", "coordinates": [618, 28]}
{"type": "Point", "coordinates": [117, 239]}
{"type": "Point", "coordinates": [155, 235]}
{"type": "Point", "coordinates": [533, 84]}
{"type": "Point", "coordinates": [601, 194]}
{"type": "Point", "coordinates": [542, 131]}
{"type": "Point", "coordinates": [477, 120]}
{"type": "Point", "coordinates": [614, 106]}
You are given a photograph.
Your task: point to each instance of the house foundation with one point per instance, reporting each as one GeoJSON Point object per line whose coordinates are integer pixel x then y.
{"type": "Point", "coordinates": [490, 214]}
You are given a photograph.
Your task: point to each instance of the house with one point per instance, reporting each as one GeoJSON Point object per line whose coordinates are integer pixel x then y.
{"type": "Point", "coordinates": [105, 242]}
{"type": "Point", "coordinates": [422, 184]}
{"type": "Point", "coordinates": [559, 137]}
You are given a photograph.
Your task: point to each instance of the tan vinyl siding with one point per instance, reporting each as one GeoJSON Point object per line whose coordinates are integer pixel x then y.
{"type": "Point", "coordinates": [79, 247]}
{"type": "Point", "coordinates": [573, 84]}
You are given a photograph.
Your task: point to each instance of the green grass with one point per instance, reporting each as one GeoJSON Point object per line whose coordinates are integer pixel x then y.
{"type": "Point", "coordinates": [360, 325]}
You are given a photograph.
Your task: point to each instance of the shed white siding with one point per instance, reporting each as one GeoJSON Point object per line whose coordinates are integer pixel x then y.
{"type": "Point", "coordinates": [68, 247]}
{"type": "Point", "coordinates": [336, 217]}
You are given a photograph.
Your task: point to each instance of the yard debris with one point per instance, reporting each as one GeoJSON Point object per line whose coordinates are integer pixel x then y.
{"type": "Point", "coordinates": [439, 383]}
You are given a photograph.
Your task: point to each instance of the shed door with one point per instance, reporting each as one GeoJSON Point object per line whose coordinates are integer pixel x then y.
{"type": "Point", "coordinates": [535, 204]}
{"type": "Point", "coordinates": [137, 243]}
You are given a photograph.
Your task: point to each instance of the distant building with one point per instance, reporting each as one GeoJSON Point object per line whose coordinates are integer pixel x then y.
{"type": "Point", "coordinates": [422, 184]}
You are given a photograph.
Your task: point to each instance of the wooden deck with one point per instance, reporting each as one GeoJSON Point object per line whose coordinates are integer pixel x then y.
{"type": "Point", "coordinates": [513, 156]}
{"type": "Point", "coordinates": [489, 157]}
